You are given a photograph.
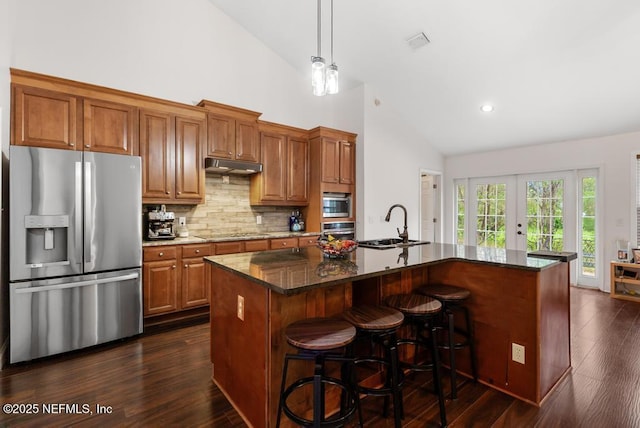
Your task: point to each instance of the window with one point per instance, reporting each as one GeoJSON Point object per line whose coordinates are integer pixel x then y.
{"type": "Point", "coordinates": [490, 218]}
{"type": "Point", "coordinates": [588, 187]}
{"type": "Point", "coordinates": [544, 215]}
{"type": "Point", "coordinates": [460, 213]}
{"type": "Point", "coordinates": [638, 199]}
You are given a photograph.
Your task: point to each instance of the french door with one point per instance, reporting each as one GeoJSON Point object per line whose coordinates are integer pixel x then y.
{"type": "Point", "coordinates": [546, 212]}
{"type": "Point", "coordinates": [523, 212]}
{"type": "Point", "coordinates": [491, 216]}
{"type": "Point", "coordinates": [537, 212]}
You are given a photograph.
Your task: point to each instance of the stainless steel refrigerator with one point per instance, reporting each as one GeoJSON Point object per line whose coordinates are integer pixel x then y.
{"type": "Point", "coordinates": [75, 250]}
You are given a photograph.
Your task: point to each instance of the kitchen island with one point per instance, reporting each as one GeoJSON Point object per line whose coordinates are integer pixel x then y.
{"type": "Point", "coordinates": [514, 299]}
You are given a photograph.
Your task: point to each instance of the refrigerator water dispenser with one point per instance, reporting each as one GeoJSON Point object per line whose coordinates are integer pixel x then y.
{"type": "Point", "coordinates": [46, 239]}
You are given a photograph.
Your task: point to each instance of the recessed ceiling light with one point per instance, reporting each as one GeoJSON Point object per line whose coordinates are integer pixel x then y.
{"type": "Point", "coordinates": [487, 108]}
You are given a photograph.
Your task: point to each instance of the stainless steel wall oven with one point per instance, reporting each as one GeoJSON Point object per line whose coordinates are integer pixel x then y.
{"type": "Point", "coordinates": [340, 229]}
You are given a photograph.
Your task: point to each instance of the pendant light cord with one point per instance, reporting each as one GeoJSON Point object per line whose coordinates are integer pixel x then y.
{"type": "Point", "coordinates": [319, 29]}
{"type": "Point", "coordinates": [332, 62]}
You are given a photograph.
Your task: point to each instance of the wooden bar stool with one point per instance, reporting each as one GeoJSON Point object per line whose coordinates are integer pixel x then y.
{"type": "Point", "coordinates": [452, 298]}
{"type": "Point", "coordinates": [420, 313]}
{"type": "Point", "coordinates": [378, 325]}
{"type": "Point", "coordinates": [321, 340]}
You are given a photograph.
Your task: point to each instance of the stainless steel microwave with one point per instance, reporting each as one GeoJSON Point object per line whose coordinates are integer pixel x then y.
{"type": "Point", "coordinates": [336, 205]}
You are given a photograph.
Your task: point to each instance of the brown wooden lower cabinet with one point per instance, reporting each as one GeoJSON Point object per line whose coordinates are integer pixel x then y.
{"type": "Point", "coordinates": [279, 243]}
{"type": "Point", "coordinates": [194, 277]}
{"type": "Point", "coordinates": [160, 281]}
{"type": "Point", "coordinates": [174, 279]}
{"type": "Point", "coordinates": [307, 241]}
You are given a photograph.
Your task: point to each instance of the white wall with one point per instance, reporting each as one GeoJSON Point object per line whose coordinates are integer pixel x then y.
{"type": "Point", "coordinates": [393, 157]}
{"type": "Point", "coordinates": [614, 155]}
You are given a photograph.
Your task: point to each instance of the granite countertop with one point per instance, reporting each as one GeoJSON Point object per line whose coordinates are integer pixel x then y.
{"type": "Point", "coordinates": [222, 237]}
{"type": "Point", "coordinates": [296, 270]}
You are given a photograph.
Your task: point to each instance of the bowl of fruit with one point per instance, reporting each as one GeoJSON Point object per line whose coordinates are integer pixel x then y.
{"type": "Point", "coordinates": [336, 248]}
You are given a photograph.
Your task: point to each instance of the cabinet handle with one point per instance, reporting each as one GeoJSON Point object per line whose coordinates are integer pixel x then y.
{"type": "Point", "coordinates": [71, 144]}
{"type": "Point", "coordinates": [87, 146]}
{"type": "Point", "coordinates": [160, 254]}
{"type": "Point", "coordinates": [197, 251]}
{"type": "Point", "coordinates": [167, 192]}
{"type": "Point", "coordinates": [229, 152]}
{"type": "Point", "coordinates": [179, 193]}
{"type": "Point", "coordinates": [173, 267]}
{"type": "Point", "coordinates": [186, 266]}
{"type": "Point", "coordinates": [284, 244]}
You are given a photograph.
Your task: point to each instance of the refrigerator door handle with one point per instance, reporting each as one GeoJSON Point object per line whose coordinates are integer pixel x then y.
{"type": "Point", "coordinates": [76, 284]}
{"type": "Point", "coordinates": [88, 213]}
{"type": "Point", "coordinates": [78, 214]}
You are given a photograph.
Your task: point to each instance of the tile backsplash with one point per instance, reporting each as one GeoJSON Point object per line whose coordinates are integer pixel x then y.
{"type": "Point", "coordinates": [226, 210]}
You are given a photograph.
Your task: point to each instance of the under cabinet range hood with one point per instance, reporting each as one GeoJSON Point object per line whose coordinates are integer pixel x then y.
{"type": "Point", "coordinates": [229, 166]}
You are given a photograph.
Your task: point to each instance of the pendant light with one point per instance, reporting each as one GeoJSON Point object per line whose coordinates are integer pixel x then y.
{"type": "Point", "coordinates": [332, 71]}
{"type": "Point", "coordinates": [324, 80]}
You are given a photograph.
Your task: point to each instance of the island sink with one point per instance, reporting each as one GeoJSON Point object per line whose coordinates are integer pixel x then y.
{"type": "Point", "coordinates": [383, 244]}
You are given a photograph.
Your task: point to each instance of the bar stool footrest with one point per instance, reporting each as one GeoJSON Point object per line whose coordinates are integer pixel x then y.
{"type": "Point", "coordinates": [336, 420]}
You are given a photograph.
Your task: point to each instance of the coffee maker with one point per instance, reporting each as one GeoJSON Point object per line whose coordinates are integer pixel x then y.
{"type": "Point", "coordinates": [160, 223]}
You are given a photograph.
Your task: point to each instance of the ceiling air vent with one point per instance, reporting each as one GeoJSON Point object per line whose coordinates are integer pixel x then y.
{"type": "Point", "coordinates": [418, 41]}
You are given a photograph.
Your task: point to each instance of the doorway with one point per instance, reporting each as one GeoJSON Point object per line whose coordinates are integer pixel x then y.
{"type": "Point", "coordinates": [430, 206]}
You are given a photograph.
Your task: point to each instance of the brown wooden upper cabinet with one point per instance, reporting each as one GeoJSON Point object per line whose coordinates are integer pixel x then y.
{"type": "Point", "coordinates": [285, 167]}
{"type": "Point", "coordinates": [52, 119]}
{"type": "Point", "coordinates": [110, 127]}
{"type": "Point", "coordinates": [232, 131]}
{"type": "Point", "coordinates": [171, 147]}
{"type": "Point", "coordinates": [334, 152]}
{"type": "Point", "coordinates": [337, 161]}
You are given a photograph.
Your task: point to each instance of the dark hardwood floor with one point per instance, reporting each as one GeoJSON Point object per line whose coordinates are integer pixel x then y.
{"type": "Point", "coordinates": [163, 379]}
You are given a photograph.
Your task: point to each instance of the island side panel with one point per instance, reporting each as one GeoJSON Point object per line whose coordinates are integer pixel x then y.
{"type": "Point", "coordinates": [555, 336]}
{"type": "Point", "coordinates": [239, 348]}
{"type": "Point", "coordinates": [503, 307]}
{"type": "Point", "coordinates": [283, 310]}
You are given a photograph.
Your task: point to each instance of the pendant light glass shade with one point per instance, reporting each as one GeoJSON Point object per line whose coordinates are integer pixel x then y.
{"type": "Point", "coordinates": [324, 80]}
{"type": "Point", "coordinates": [332, 79]}
{"type": "Point", "coordinates": [318, 77]}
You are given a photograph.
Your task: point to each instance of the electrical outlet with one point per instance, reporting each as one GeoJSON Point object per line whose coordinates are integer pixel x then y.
{"type": "Point", "coordinates": [182, 221]}
{"type": "Point", "coordinates": [241, 307]}
{"type": "Point", "coordinates": [517, 353]}
{"type": "Point", "coordinates": [258, 219]}
{"type": "Point", "coordinates": [225, 179]}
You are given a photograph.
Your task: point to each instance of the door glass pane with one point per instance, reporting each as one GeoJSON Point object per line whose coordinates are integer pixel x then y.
{"type": "Point", "coordinates": [545, 215]}
{"type": "Point", "coordinates": [588, 232]}
{"type": "Point", "coordinates": [460, 212]}
{"type": "Point", "coordinates": [490, 219]}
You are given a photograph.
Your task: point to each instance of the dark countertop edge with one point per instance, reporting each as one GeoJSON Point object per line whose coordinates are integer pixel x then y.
{"type": "Point", "coordinates": [561, 256]}
{"type": "Point", "coordinates": [201, 240]}
{"type": "Point", "coordinates": [298, 290]}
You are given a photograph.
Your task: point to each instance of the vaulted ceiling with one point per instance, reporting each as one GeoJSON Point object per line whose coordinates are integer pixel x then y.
{"type": "Point", "coordinates": [553, 70]}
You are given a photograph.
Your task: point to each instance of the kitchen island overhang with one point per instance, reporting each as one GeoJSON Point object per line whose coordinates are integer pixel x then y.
{"type": "Point", "coordinates": [515, 299]}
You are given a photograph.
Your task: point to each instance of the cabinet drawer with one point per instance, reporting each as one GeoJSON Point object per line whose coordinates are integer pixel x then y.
{"type": "Point", "coordinates": [229, 247]}
{"type": "Point", "coordinates": [161, 252]}
{"type": "Point", "coordinates": [196, 250]}
{"type": "Point", "coordinates": [256, 245]}
{"type": "Point", "coordinates": [307, 241]}
{"type": "Point", "coordinates": [284, 243]}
